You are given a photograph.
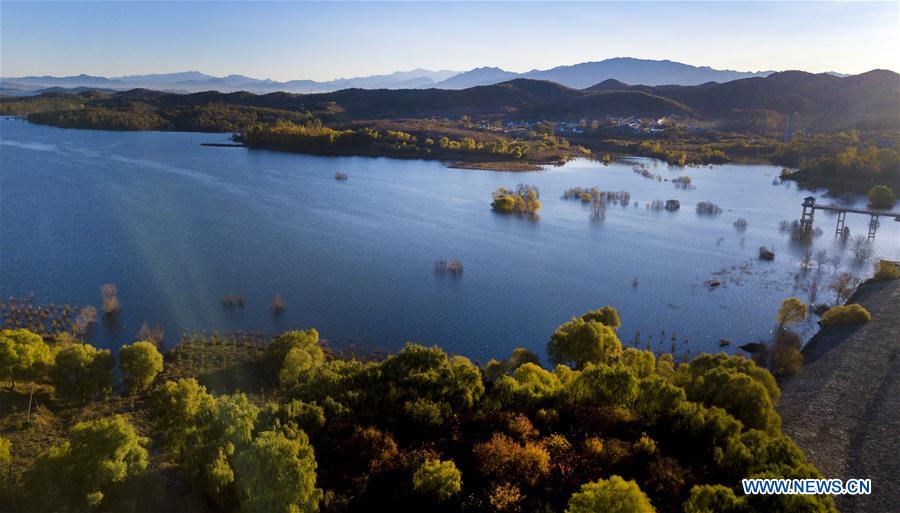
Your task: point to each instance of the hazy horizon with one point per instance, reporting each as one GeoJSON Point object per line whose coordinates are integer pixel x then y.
{"type": "Point", "coordinates": [328, 41]}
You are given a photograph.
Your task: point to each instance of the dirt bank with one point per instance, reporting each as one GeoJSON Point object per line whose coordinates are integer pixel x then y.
{"type": "Point", "coordinates": [843, 409]}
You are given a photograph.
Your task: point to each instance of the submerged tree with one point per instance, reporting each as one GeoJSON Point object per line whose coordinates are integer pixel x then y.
{"type": "Point", "coordinates": [524, 200]}
{"type": "Point", "coordinates": [109, 294]}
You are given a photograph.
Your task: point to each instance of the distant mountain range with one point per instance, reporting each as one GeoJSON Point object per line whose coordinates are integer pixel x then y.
{"type": "Point", "coordinates": [577, 76]}
{"type": "Point", "coordinates": [780, 102]}
{"type": "Point", "coordinates": [194, 81]}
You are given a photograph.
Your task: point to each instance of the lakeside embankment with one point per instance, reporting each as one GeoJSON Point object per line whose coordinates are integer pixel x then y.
{"type": "Point", "coordinates": [843, 409]}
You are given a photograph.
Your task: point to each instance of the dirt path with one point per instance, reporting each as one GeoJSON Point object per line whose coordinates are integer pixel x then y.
{"type": "Point", "coordinates": [843, 409]}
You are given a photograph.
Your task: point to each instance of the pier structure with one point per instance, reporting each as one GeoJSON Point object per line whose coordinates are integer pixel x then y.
{"type": "Point", "coordinates": [807, 217]}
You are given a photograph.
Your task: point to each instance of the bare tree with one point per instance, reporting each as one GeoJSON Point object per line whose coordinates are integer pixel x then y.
{"type": "Point", "coordinates": [843, 286]}
{"type": "Point", "coordinates": [862, 248]}
{"type": "Point", "coordinates": [821, 259]}
{"type": "Point", "coordinates": [835, 262]}
{"type": "Point", "coordinates": [598, 209]}
{"type": "Point", "coordinates": [806, 259]}
{"type": "Point", "coordinates": [813, 291]}
{"type": "Point", "coordinates": [154, 334]}
{"type": "Point", "coordinates": [86, 316]}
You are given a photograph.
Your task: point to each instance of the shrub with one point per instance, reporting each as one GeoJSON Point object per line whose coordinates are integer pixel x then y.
{"type": "Point", "coordinates": [881, 197]}
{"type": "Point", "coordinates": [613, 495]}
{"type": "Point", "coordinates": [845, 315]}
{"type": "Point", "coordinates": [440, 480]}
{"type": "Point", "coordinates": [140, 363]}
{"type": "Point", "coordinates": [887, 270]}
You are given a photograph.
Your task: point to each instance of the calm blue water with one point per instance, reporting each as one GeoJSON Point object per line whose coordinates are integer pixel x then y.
{"type": "Point", "coordinates": [176, 225]}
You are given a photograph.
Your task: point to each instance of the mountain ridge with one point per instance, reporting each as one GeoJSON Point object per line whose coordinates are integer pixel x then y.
{"type": "Point", "coordinates": [579, 76]}
{"type": "Point", "coordinates": [790, 100]}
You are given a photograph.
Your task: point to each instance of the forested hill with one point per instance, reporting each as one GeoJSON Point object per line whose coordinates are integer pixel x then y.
{"type": "Point", "coordinates": [795, 100]}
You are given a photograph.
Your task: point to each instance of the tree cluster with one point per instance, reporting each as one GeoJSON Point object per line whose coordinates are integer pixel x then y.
{"type": "Point", "coordinates": [606, 428]}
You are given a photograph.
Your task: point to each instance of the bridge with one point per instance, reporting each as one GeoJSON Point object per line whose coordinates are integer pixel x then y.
{"type": "Point", "coordinates": [810, 207]}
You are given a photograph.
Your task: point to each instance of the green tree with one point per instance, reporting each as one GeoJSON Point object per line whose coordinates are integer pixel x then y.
{"type": "Point", "coordinates": [528, 387]}
{"type": "Point", "coordinates": [607, 316]}
{"type": "Point", "coordinates": [82, 372]}
{"type": "Point", "coordinates": [613, 495]}
{"type": "Point", "coordinates": [792, 311]}
{"type": "Point", "coordinates": [140, 363]}
{"type": "Point", "coordinates": [224, 427]}
{"type": "Point", "coordinates": [713, 499]}
{"type": "Point", "coordinates": [579, 342]}
{"type": "Point", "coordinates": [881, 197]}
{"type": "Point", "coordinates": [78, 474]}
{"type": "Point", "coordinates": [439, 480]}
{"type": "Point", "coordinates": [23, 355]}
{"type": "Point", "coordinates": [734, 386]}
{"type": "Point", "coordinates": [604, 386]}
{"type": "Point", "coordinates": [281, 345]}
{"type": "Point", "coordinates": [275, 474]}
{"type": "Point", "coordinates": [174, 407]}
{"type": "Point", "coordinates": [521, 356]}
{"type": "Point", "coordinates": [304, 355]}
{"type": "Point", "coordinates": [424, 384]}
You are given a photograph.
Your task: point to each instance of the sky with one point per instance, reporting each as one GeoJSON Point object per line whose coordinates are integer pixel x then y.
{"type": "Point", "coordinates": [323, 41]}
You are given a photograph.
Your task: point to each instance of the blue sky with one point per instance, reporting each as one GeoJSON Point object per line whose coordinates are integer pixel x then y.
{"type": "Point", "coordinates": [323, 41]}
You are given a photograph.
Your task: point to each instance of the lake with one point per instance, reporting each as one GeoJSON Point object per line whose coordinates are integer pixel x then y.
{"type": "Point", "coordinates": [176, 225]}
